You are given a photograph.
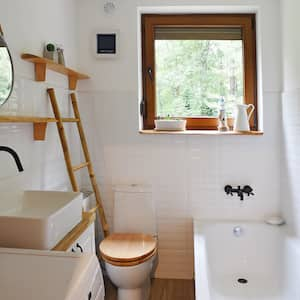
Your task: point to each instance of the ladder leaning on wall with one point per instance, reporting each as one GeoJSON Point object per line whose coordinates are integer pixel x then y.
{"type": "Point", "coordinates": [88, 163]}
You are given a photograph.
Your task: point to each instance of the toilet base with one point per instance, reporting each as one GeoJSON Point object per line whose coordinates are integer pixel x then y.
{"type": "Point", "coordinates": [124, 294]}
{"type": "Point", "coordinates": [135, 294]}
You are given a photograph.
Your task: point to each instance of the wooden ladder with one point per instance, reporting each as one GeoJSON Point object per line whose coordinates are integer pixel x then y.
{"type": "Point", "coordinates": [70, 168]}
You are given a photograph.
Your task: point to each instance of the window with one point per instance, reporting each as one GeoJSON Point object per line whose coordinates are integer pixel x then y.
{"type": "Point", "coordinates": [190, 62]}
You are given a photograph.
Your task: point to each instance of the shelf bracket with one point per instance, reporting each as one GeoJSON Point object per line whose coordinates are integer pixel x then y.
{"type": "Point", "coordinates": [40, 71]}
{"type": "Point", "coordinates": [39, 131]}
{"type": "Point", "coordinates": [72, 83]}
{"type": "Point", "coordinates": [42, 64]}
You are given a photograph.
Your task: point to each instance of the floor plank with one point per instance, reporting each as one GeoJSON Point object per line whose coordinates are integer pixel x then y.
{"type": "Point", "coordinates": [110, 290]}
{"type": "Point", "coordinates": [162, 289]}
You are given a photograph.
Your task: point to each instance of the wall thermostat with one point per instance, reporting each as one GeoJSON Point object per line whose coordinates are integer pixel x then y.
{"type": "Point", "coordinates": [106, 44]}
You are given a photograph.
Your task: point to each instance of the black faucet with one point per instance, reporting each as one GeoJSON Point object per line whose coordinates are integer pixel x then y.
{"type": "Point", "coordinates": [14, 154]}
{"type": "Point", "coordinates": [247, 189]}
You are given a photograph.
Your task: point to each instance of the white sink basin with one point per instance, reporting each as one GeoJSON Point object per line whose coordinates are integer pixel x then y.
{"type": "Point", "coordinates": [37, 219]}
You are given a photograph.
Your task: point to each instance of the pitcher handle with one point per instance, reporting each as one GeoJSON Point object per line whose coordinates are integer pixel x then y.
{"type": "Point", "coordinates": [252, 110]}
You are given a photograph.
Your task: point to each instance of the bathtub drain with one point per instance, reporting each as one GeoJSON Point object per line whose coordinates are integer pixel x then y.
{"type": "Point", "coordinates": [242, 280]}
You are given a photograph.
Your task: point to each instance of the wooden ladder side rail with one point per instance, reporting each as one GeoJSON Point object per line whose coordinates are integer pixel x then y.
{"type": "Point", "coordinates": [89, 165]}
{"type": "Point", "coordinates": [71, 169]}
{"type": "Point", "coordinates": [63, 139]}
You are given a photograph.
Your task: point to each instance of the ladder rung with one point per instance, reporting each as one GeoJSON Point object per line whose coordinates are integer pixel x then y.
{"type": "Point", "coordinates": [70, 120]}
{"type": "Point", "coordinates": [83, 165]}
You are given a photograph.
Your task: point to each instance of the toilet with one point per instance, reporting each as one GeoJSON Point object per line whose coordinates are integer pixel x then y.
{"type": "Point", "coordinates": [130, 251]}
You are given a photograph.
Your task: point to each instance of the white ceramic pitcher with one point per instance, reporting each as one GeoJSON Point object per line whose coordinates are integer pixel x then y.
{"type": "Point", "coordinates": [241, 121]}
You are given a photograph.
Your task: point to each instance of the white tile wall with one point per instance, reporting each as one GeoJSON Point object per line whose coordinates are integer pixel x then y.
{"type": "Point", "coordinates": [188, 174]}
{"type": "Point", "coordinates": [27, 29]}
{"type": "Point", "coordinates": [291, 160]}
{"type": "Point", "coordinates": [290, 116]}
{"type": "Point", "coordinates": [43, 161]}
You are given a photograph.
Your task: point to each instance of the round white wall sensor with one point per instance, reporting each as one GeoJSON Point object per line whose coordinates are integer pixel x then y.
{"type": "Point", "coordinates": [109, 7]}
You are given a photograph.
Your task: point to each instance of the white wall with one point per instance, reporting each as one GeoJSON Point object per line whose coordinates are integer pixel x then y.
{"type": "Point", "coordinates": [27, 25]}
{"type": "Point", "coordinates": [290, 44]}
{"type": "Point", "coordinates": [188, 173]}
{"type": "Point", "coordinates": [291, 112]}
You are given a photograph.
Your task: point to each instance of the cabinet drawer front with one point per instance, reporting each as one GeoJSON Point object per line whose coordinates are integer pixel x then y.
{"type": "Point", "coordinates": [86, 242]}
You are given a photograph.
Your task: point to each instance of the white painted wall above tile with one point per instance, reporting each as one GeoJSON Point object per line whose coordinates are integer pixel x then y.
{"type": "Point", "coordinates": [121, 73]}
{"type": "Point", "coordinates": [290, 44]}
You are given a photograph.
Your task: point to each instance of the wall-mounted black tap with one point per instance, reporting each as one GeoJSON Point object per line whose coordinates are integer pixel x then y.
{"type": "Point", "coordinates": [247, 189]}
{"type": "Point", "coordinates": [14, 154]}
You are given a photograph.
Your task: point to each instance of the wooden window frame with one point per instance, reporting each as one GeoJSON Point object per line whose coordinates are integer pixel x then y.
{"type": "Point", "coordinates": [245, 21]}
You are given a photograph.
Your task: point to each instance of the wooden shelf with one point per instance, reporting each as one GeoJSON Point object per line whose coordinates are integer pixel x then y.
{"type": "Point", "coordinates": [39, 123]}
{"type": "Point", "coordinates": [42, 64]}
{"type": "Point", "coordinates": [201, 132]}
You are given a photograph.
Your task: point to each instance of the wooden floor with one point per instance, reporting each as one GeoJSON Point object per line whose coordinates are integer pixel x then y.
{"type": "Point", "coordinates": [162, 289]}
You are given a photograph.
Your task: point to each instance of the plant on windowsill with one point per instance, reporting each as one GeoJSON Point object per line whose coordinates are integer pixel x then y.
{"type": "Point", "coordinates": [169, 124]}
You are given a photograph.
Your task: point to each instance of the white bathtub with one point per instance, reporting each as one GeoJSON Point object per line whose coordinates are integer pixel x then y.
{"type": "Point", "coordinates": [262, 255]}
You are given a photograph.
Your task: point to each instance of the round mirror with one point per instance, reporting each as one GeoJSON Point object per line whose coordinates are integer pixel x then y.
{"type": "Point", "coordinates": [6, 71]}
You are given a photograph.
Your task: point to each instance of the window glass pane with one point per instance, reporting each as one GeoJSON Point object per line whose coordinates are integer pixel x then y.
{"type": "Point", "coordinates": [192, 75]}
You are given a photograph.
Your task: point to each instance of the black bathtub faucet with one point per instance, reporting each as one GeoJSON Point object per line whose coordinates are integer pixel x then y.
{"type": "Point", "coordinates": [14, 154]}
{"type": "Point", "coordinates": [247, 189]}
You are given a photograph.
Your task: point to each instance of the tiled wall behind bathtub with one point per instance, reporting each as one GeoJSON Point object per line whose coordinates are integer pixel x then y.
{"type": "Point", "coordinates": [27, 27]}
{"type": "Point", "coordinates": [188, 174]}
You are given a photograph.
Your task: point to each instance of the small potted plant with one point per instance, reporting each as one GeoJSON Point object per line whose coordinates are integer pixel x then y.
{"type": "Point", "coordinates": [49, 51]}
{"type": "Point", "coordinates": [170, 124]}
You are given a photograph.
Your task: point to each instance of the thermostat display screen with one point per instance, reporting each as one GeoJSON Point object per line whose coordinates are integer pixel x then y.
{"type": "Point", "coordinates": [106, 43]}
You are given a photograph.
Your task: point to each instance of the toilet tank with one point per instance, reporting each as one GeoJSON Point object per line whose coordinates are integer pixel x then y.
{"type": "Point", "coordinates": [134, 209]}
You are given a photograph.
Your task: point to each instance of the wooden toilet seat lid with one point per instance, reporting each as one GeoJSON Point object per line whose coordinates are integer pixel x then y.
{"type": "Point", "coordinates": [128, 247]}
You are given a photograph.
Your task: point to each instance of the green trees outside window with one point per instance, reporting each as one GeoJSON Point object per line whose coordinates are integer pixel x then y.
{"type": "Point", "coordinates": [192, 76]}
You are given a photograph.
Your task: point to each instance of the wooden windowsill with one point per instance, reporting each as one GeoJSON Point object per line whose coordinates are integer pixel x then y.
{"type": "Point", "coordinates": [202, 132]}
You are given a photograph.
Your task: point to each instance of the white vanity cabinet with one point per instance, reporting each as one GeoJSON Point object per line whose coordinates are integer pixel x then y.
{"type": "Point", "coordinates": [49, 275]}
{"type": "Point", "coordinates": [86, 242]}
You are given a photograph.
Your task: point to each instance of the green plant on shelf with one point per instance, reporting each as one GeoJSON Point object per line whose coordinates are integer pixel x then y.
{"type": "Point", "coordinates": [50, 47]}
{"type": "Point", "coordinates": [168, 117]}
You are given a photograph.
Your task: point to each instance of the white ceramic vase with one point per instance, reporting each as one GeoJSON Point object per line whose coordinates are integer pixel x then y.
{"type": "Point", "coordinates": [242, 117]}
